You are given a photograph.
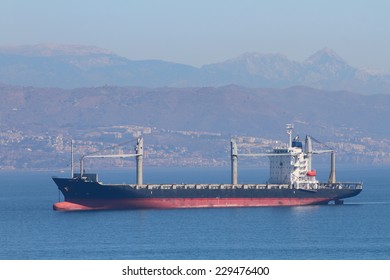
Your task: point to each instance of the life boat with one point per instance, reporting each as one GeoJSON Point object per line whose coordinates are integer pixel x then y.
{"type": "Point", "coordinates": [311, 173]}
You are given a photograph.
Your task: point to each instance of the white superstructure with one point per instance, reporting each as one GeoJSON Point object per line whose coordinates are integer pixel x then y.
{"type": "Point", "coordinates": [289, 165]}
{"type": "Point", "coordinates": [292, 165]}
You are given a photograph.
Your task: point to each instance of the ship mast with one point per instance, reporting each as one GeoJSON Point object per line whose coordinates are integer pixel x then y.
{"type": "Point", "coordinates": [234, 159]}
{"type": "Point", "coordinates": [289, 132]}
{"type": "Point", "coordinates": [71, 160]}
{"type": "Point", "coordinates": [139, 154]}
{"type": "Point", "coordinates": [309, 152]}
{"type": "Point", "coordinates": [332, 176]}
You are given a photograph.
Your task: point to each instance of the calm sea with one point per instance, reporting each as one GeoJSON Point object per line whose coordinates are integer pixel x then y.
{"type": "Point", "coordinates": [30, 229]}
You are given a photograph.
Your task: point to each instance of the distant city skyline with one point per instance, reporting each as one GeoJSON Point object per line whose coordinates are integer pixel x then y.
{"type": "Point", "coordinates": [204, 32]}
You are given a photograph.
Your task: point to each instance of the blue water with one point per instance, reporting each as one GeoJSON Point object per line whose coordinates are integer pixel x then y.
{"type": "Point", "coordinates": [30, 229]}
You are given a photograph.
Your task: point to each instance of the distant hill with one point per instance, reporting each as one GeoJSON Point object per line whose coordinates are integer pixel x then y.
{"type": "Point", "coordinates": [69, 66]}
{"type": "Point", "coordinates": [185, 126]}
{"type": "Point", "coordinates": [228, 110]}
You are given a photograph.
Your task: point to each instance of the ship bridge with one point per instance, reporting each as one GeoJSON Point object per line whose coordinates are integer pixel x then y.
{"type": "Point", "coordinates": [291, 164]}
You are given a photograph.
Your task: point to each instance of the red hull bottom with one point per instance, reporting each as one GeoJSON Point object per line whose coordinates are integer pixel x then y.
{"type": "Point", "coordinates": [169, 203]}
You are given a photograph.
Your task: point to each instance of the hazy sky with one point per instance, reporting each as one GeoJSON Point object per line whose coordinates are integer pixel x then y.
{"type": "Point", "coordinates": [201, 32]}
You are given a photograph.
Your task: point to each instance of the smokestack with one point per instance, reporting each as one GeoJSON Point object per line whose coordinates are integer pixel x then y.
{"type": "Point", "coordinates": [332, 176]}
{"type": "Point", "coordinates": [234, 157]}
{"type": "Point", "coordinates": [139, 149]}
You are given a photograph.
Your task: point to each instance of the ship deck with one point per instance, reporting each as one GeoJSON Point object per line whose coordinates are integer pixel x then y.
{"type": "Point", "coordinates": [340, 185]}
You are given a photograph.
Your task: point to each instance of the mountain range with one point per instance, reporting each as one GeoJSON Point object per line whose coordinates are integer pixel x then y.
{"type": "Point", "coordinates": [53, 93]}
{"type": "Point", "coordinates": [190, 126]}
{"type": "Point", "coordinates": [71, 66]}
{"type": "Point", "coordinates": [229, 110]}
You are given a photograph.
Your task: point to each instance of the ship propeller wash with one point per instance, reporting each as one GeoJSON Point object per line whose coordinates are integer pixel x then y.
{"type": "Point", "coordinates": [292, 182]}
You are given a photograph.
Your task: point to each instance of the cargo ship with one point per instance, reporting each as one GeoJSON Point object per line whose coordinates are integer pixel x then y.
{"type": "Point", "coordinates": [292, 182]}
